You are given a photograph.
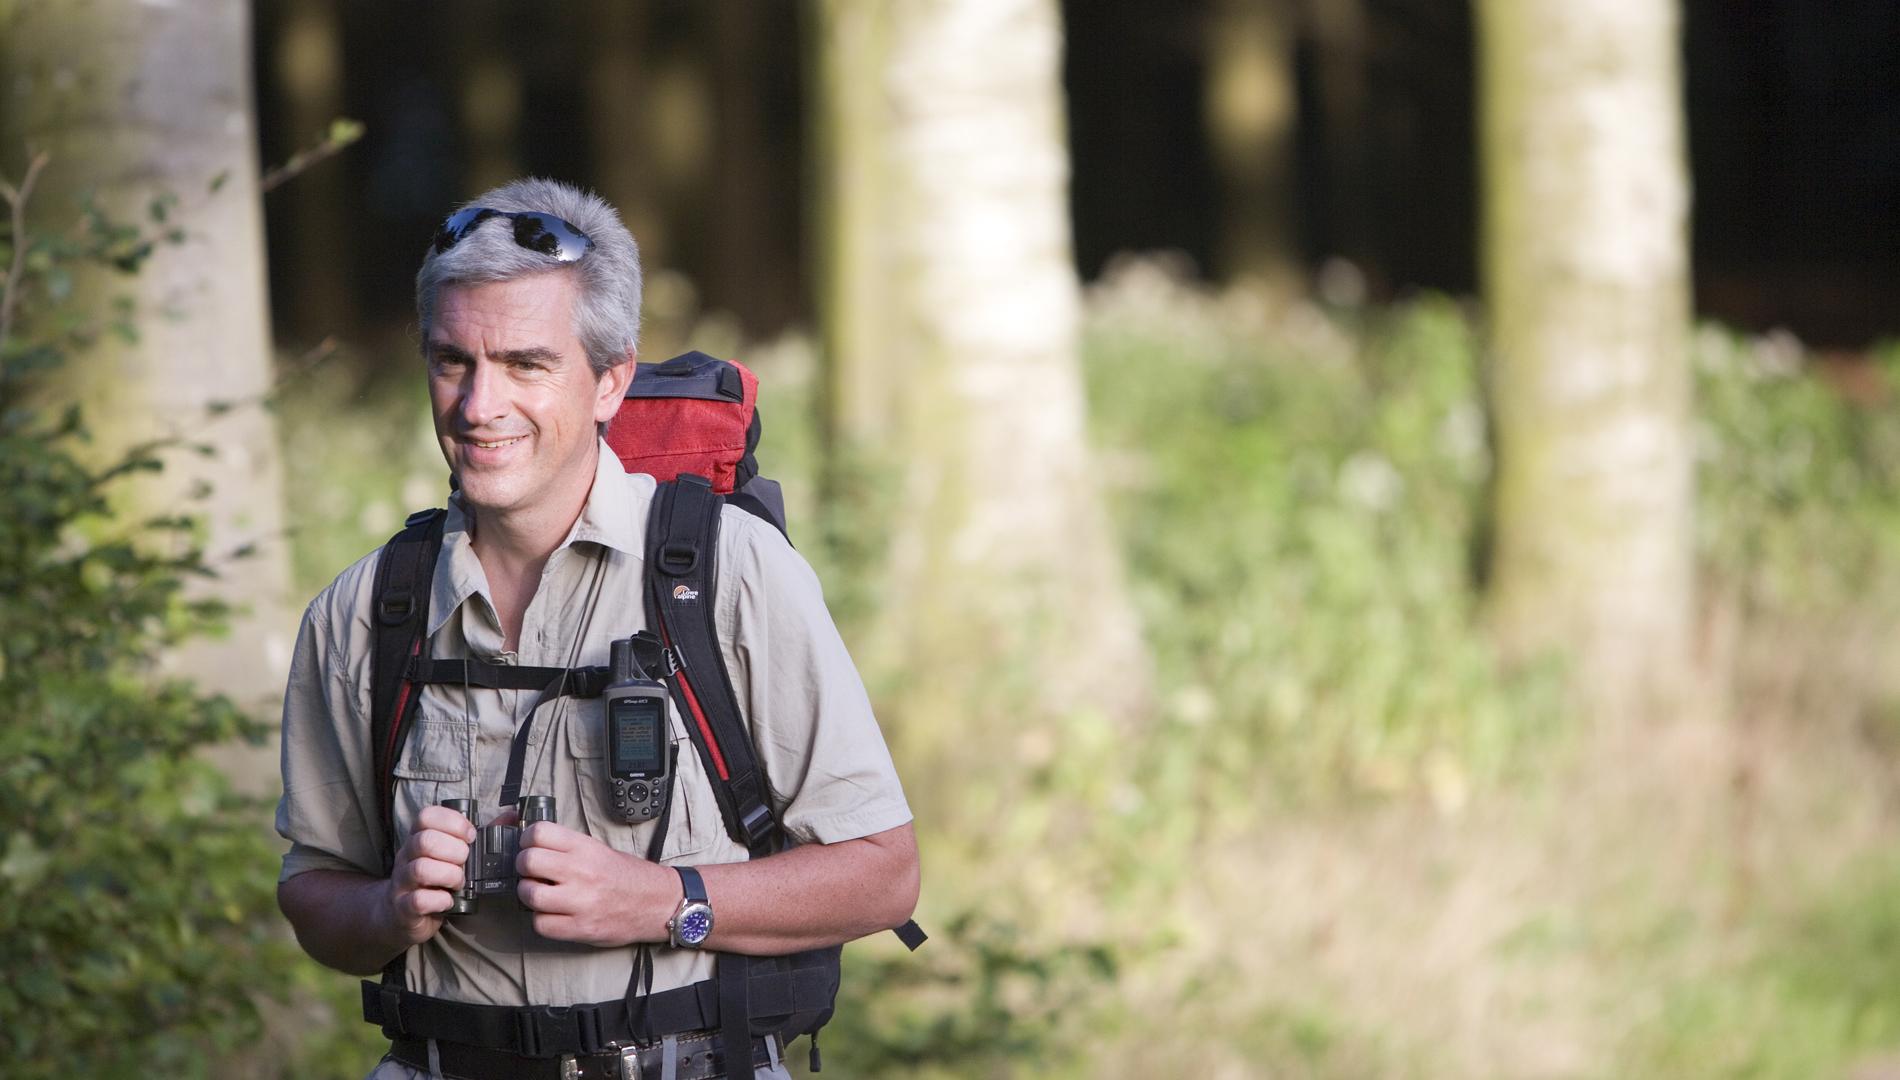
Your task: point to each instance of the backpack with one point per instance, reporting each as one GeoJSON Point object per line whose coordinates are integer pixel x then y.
{"type": "Point", "coordinates": [693, 424]}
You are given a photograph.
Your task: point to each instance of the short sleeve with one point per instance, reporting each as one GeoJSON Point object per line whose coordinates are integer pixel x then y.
{"type": "Point", "coordinates": [828, 769]}
{"type": "Point", "coordinates": [328, 810]}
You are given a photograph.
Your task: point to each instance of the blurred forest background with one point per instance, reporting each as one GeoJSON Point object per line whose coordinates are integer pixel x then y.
{"type": "Point", "coordinates": [1373, 525]}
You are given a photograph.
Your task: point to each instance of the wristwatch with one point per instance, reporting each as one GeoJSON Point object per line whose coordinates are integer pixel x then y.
{"type": "Point", "coordinates": [693, 919]}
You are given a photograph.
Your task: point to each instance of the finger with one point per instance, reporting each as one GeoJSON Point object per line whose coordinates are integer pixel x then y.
{"type": "Point", "coordinates": [421, 903]}
{"type": "Point", "coordinates": [557, 926]}
{"type": "Point", "coordinates": [543, 863]}
{"type": "Point", "coordinates": [446, 820]}
{"type": "Point", "coordinates": [433, 874]}
{"type": "Point", "coordinates": [550, 835]}
{"type": "Point", "coordinates": [509, 816]}
{"type": "Point", "coordinates": [539, 896]}
{"type": "Point", "coordinates": [438, 845]}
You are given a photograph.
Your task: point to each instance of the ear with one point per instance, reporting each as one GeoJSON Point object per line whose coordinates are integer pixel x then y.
{"type": "Point", "coordinates": [610, 387]}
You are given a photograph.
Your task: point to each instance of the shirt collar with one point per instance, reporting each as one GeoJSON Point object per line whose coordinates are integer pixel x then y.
{"type": "Point", "coordinates": [613, 517]}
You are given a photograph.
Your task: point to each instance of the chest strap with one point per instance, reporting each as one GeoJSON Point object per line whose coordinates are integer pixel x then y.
{"type": "Point", "coordinates": [552, 1030]}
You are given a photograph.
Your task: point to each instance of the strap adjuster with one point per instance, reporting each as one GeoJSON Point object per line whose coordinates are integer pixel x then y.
{"type": "Point", "coordinates": [395, 607]}
{"type": "Point", "coordinates": [391, 999]}
{"type": "Point", "coordinates": [527, 1032]}
{"type": "Point", "coordinates": [678, 560]}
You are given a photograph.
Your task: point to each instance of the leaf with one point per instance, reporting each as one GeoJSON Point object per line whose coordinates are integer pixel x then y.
{"type": "Point", "coordinates": [344, 131]}
{"type": "Point", "coordinates": [24, 863]}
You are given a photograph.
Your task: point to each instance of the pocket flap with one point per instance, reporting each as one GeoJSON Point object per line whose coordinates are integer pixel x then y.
{"type": "Point", "coordinates": [435, 750]}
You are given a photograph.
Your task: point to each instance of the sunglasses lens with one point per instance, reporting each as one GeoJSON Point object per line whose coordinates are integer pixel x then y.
{"type": "Point", "coordinates": [457, 225]}
{"type": "Point", "coordinates": [550, 235]}
{"type": "Point", "coordinates": [535, 231]}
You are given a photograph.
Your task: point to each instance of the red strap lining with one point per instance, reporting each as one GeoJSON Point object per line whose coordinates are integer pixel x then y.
{"type": "Point", "coordinates": [699, 717]}
{"type": "Point", "coordinates": [395, 726]}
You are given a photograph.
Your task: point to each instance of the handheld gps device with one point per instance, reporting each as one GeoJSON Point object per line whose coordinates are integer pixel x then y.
{"type": "Point", "coordinates": [637, 741]}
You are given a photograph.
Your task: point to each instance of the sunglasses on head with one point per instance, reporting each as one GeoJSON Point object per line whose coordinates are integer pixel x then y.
{"type": "Point", "coordinates": [534, 230]}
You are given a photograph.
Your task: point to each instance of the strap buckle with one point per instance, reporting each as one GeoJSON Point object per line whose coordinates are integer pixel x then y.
{"type": "Point", "coordinates": [570, 1067]}
{"type": "Point", "coordinates": [757, 824]}
{"type": "Point", "coordinates": [629, 1063]}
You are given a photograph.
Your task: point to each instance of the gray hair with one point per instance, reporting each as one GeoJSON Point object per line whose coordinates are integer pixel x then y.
{"type": "Point", "coordinates": [607, 305]}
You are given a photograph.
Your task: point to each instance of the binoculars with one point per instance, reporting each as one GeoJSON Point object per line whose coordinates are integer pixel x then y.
{"type": "Point", "coordinates": [490, 870]}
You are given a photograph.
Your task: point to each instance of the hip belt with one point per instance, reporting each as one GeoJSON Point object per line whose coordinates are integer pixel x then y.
{"type": "Point", "coordinates": [549, 1031]}
{"type": "Point", "coordinates": [696, 1056]}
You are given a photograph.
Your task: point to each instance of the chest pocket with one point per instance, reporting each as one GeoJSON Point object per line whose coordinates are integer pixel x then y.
{"type": "Point", "coordinates": [433, 766]}
{"type": "Point", "coordinates": [692, 826]}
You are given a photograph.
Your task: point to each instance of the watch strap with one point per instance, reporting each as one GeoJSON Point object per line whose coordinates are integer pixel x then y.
{"type": "Point", "coordinates": [693, 885]}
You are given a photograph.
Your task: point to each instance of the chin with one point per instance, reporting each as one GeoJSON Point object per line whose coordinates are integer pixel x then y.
{"type": "Point", "coordinates": [485, 493]}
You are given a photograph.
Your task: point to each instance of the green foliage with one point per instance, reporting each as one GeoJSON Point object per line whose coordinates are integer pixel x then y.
{"type": "Point", "coordinates": [1799, 506]}
{"type": "Point", "coordinates": [980, 998]}
{"type": "Point", "coordinates": [137, 920]}
{"type": "Point", "coordinates": [1813, 995]}
{"type": "Point", "coordinates": [1301, 506]}
{"type": "Point", "coordinates": [360, 455]}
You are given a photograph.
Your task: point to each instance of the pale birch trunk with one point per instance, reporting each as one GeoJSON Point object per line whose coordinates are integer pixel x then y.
{"type": "Point", "coordinates": [134, 101]}
{"type": "Point", "coordinates": [1586, 276]}
{"type": "Point", "coordinates": [1003, 568]}
{"type": "Point", "coordinates": [851, 132]}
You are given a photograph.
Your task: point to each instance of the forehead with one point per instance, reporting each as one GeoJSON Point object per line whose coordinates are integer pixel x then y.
{"type": "Point", "coordinates": [534, 310]}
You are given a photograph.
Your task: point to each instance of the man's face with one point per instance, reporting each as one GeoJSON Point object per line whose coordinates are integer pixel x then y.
{"type": "Point", "coordinates": [516, 404]}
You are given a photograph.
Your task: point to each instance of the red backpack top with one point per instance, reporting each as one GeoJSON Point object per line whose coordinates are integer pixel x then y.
{"type": "Point", "coordinates": [697, 414]}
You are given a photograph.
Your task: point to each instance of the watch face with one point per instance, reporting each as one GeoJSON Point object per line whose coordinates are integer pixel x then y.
{"type": "Point", "coordinates": [695, 923]}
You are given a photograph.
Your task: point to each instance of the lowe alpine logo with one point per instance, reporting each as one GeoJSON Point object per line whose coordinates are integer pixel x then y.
{"type": "Point", "coordinates": [684, 594]}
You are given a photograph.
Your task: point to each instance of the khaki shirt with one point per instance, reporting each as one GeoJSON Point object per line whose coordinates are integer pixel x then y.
{"type": "Point", "coordinates": [829, 775]}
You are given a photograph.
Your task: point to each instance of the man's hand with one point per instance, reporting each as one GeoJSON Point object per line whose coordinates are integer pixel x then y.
{"type": "Point", "coordinates": [428, 866]}
{"type": "Point", "coordinates": [582, 890]}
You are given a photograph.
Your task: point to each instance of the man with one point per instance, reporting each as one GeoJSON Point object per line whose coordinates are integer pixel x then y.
{"type": "Point", "coordinates": [528, 305]}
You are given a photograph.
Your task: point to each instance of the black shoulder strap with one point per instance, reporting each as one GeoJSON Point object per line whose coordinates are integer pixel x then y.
{"type": "Point", "coordinates": [682, 572]}
{"type": "Point", "coordinates": [400, 623]}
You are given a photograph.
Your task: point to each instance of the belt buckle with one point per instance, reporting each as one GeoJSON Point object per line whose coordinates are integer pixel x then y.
{"type": "Point", "coordinates": [570, 1067]}
{"type": "Point", "coordinates": [629, 1062]}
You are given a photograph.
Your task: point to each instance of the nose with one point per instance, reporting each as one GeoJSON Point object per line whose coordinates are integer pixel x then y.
{"type": "Point", "coordinates": [484, 395]}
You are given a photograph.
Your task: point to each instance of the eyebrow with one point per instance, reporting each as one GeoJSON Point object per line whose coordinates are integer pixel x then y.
{"type": "Point", "coordinates": [534, 354]}
{"type": "Point", "coordinates": [537, 354]}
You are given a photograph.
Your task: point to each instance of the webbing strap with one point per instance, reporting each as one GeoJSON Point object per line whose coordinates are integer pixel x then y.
{"type": "Point", "coordinates": [682, 557]}
{"type": "Point", "coordinates": [580, 682]}
{"type": "Point", "coordinates": [403, 574]}
{"type": "Point", "coordinates": [735, 1007]}
{"type": "Point", "coordinates": [549, 1030]}
{"type": "Point", "coordinates": [911, 934]}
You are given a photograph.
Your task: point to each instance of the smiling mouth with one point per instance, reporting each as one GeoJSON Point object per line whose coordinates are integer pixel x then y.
{"type": "Point", "coordinates": [497, 444]}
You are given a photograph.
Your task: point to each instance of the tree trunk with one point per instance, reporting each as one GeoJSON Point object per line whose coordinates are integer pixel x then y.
{"type": "Point", "coordinates": [491, 93]}
{"type": "Point", "coordinates": [851, 135]}
{"type": "Point", "coordinates": [1585, 266]}
{"type": "Point", "coordinates": [1251, 115]}
{"type": "Point", "coordinates": [309, 76]}
{"type": "Point", "coordinates": [618, 117]}
{"type": "Point", "coordinates": [135, 101]}
{"type": "Point", "coordinates": [1341, 44]}
{"type": "Point", "coordinates": [1003, 570]}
